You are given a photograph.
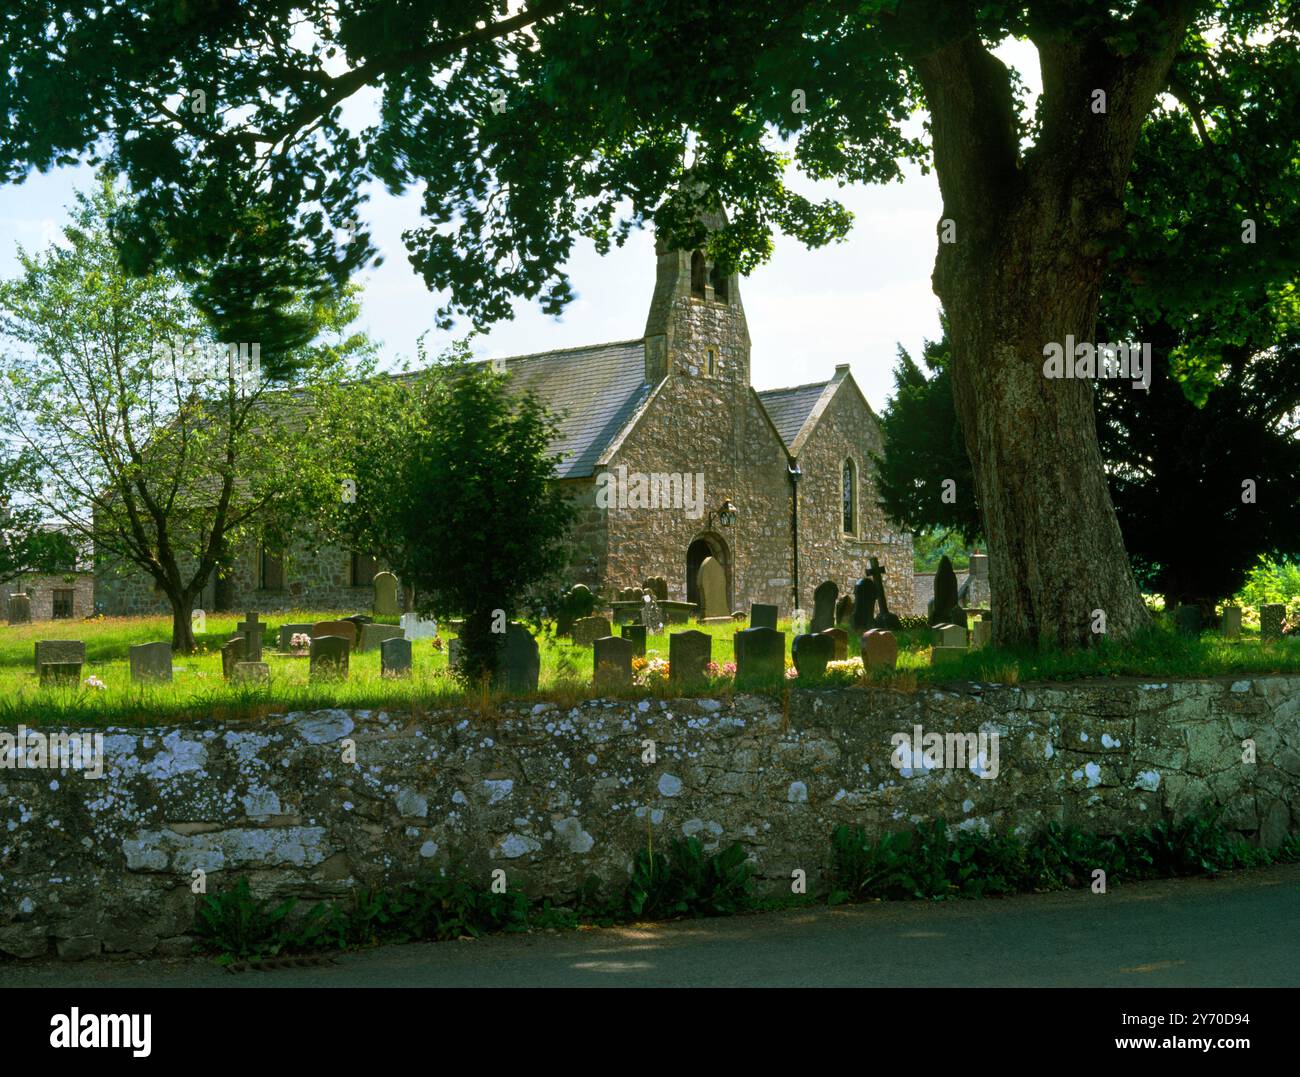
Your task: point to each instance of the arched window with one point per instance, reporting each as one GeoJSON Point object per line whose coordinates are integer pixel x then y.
{"type": "Point", "coordinates": [850, 483]}
{"type": "Point", "coordinates": [697, 275]}
{"type": "Point", "coordinates": [719, 281]}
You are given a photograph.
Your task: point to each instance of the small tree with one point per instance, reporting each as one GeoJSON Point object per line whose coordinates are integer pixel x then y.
{"type": "Point", "coordinates": [155, 444]}
{"type": "Point", "coordinates": [454, 484]}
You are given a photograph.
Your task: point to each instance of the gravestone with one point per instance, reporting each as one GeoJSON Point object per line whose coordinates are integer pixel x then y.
{"type": "Point", "coordinates": [811, 652]}
{"type": "Point", "coordinates": [944, 608]}
{"type": "Point", "coordinates": [883, 619]}
{"type": "Point", "coordinates": [151, 662]}
{"type": "Point", "coordinates": [453, 652]}
{"type": "Point", "coordinates": [1187, 620]}
{"type": "Point", "coordinates": [711, 581]}
{"type": "Point", "coordinates": [346, 629]}
{"type": "Point", "coordinates": [636, 633]}
{"type": "Point", "coordinates": [395, 657]}
{"type": "Point", "coordinates": [977, 586]}
{"type": "Point", "coordinates": [60, 660]}
{"type": "Point", "coordinates": [879, 649]}
{"type": "Point", "coordinates": [949, 643]}
{"type": "Point", "coordinates": [864, 603]}
{"type": "Point", "coordinates": [760, 655]}
{"type": "Point", "coordinates": [586, 630]}
{"type": "Point", "coordinates": [250, 673]}
{"type": "Point", "coordinates": [689, 654]}
{"type": "Point", "coordinates": [20, 609]}
{"type": "Point", "coordinates": [657, 586]}
{"type": "Point", "coordinates": [1271, 616]}
{"type": "Point", "coordinates": [329, 657]}
{"type": "Point", "coordinates": [981, 632]}
{"type": "Point", "coordinates": [251, 629]}
{"type": "Point", "coordinates": [287, 632]}
{"type": "Point", "coordinates": [652, 616]}
{"type": "Point", "coordinates": [198, 621]}
{"type": "Point", "coordinates": [630, 594]}
{"type": "Point", "coordinates": [824, 605]}
{"type": "Point", "coordinates": [844, 611]}
{"type": "Point", "coordinates": [612, 662]}
{"type": "Point", "coordinates": [373, 635]}
{"type": "Point", "coordinates": [385, 585]}
{"type": "Point", "coordinates": [576, 602]}
{"type": "Point", "coordinates": [232, 651]}
{"type": "Point", "coordinates": [762, 615]}
{"type": "Point", "coordinates": [840, 639]}
{"type": "Point", "coordinates": [1230, 625]}
{"type": "Point", "coordinates": [520, 664]}
{"type": "Point", "coordinates": [416, 627]}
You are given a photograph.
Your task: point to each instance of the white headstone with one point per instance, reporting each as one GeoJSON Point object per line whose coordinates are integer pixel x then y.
{"type": "Point", "coordinates": [416, 627]}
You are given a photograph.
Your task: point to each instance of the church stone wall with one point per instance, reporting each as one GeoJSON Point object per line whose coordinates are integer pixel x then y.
{"type": "Point", "coordinates": [847, 428]}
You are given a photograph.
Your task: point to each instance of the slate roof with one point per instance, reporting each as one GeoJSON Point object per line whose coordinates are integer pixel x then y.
{"type": "Point", "coordinates": [789, 408]}
{"type": "Point", "coordinates": [595, 389]}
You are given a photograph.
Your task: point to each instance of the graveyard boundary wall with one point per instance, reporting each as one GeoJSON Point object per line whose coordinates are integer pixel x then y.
{"type": "Point", "coordinates": [555, 794]}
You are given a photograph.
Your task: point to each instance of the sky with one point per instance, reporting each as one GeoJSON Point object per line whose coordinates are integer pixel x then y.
{"type": "Point", "coordinates": [808, 310]}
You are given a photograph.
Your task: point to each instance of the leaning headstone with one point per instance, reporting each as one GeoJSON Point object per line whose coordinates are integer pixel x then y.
{"type": "Point", "coordinates": [60, 660]}
{"type": "Point", "coordinates": [636, 633]}
{"type": "Point", "coordinates": [1271, 616]}
{"type": "Point", "coordinates": [762, 615]}
{"type": "Point", "coordinates": [689, 654]}
{"type": "Point", "coordinates": [844, 611]}
{"type": "Point", "coordinates": [385, 584]}
{"type": "Point", "coordinates": [945, 608]}
{"type": "Point", "coordinates": [840, 640]}
{"type": "Point", "coordinates": [416, 627]}
{"type": "Point", "coordinates": [346, 629]}
{"type": "Point", "coordinates": [612, 662]}
{"type": "Point", "coordinates": [657, 586]}
{"type": "Point", "coordinates": [760, 655]}
{"type": "Point", "coordinates": [824, 605]}
{"type": "Point", "coordinates": [373, 635]}
{"type": "Point", "coordinates": [233, 651]}
{"type": "Point", "coordinates": [879, 649]}
{"type": "Point", "coordinates": [395, 657]}
{"type": "Point", "coordinates": [251, 629]}
{"type": "Point", "coordinates": [151, 662]}
{"type": "Point", "coordinates": [520, 665]}
{"type": "Point", "coordinates": [1230, 625]}
{"type": "Point", "coordinates": [586, 630]}
{"type": "Point", "coordinates": [20, 609]}
{"type": "Point", "coordinates": [864, 603]}
{"type": "Point", "coordinates": [1187, 620]}
{"type": "Point", "coordinates": [711, 580]}
{"type": "Point", "coordinates": [811, 652]}
{"type": "Point", "coordinates": [981, 633]}
{"type": "Point", "coordinates": [329, 657]}
{"type": "Point", "coordinates": [250, 673]}
{"type": "Point", "coordinates": [287, 632]}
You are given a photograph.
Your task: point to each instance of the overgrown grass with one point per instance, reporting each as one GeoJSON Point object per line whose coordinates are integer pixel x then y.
{"type": "Point", "coordinates": [199, 691]}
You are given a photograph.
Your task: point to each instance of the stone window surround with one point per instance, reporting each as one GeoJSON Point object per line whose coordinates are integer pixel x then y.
{"type": "Point", "coordinates": [855, 493]}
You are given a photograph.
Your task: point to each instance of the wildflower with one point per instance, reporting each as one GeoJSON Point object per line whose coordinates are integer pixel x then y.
{"type": "Point", "coordinates": [94, 682]}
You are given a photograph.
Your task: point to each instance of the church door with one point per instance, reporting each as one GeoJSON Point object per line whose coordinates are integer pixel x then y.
{"type": "Point", "coordinates": [696, 552]}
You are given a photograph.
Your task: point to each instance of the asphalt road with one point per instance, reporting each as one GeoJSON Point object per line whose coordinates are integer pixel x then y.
{"type": "Point", "coordinates": [1240, 930]}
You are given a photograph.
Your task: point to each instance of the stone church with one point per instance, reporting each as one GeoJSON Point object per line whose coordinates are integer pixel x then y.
{"type": "Point", "coordinates": [671, 456]}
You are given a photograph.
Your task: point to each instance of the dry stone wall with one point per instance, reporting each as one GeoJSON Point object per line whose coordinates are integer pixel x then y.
{"type": "Point", "coordinates": [553, 794]}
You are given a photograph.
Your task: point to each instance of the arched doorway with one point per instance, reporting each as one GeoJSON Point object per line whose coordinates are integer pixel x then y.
{"type": "Point", "coordinates": [707, 545]}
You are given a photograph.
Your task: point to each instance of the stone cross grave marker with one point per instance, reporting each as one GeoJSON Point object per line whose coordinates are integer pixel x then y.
{"type": "Point", "coordinates": [689, 654]}
{"type": "Point", "coordinates": [329, 657]}
{"type": "Point", "coordinates": [762, 615]}
{"type": "Point", "coordinates": [612, 662]}
{"type": "Point", "coordinates": [395, 657]}
{"type": "Point", "coordinates": [824, 599]}
{"type": "Point", "coordinates": [385, 605]}
{"type": "Point", "coordinates": [711, 579]}
{"type": "Point", "coordinates": [251, 629]}
{"type": "Point", "coordinates": [811, 652]}
{"type": "Point", "coordinates": [151, 662]}
{"type": "Point", "coordinates": [760, 655]}
{"type": "Point", "coordinates": [884, 619]}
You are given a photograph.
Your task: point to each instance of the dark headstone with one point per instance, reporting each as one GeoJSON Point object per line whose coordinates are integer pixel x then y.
{"type": "Point", "coordinates": [520, 665]}
{"type": "Point", "coordinates": [844, 611]}
{"type": "Point", "coordinates": [347, 629]}
{"type": "Point", "coordinates": [840, 639]}
{"type": "Point", "coordinates": [577, 601]}
{"type": "Point", "coordinates": [824, 605]}
{"type": "Point", "coordinates": [946, 609]}
{"type": "Point", "coordinates": [329, 657]}
{"type": "Point", "coordinates": [586, 630]}
{"type": "Point", "coordinates": [636, 633]}
{"type": "Point", "coordinates": [151, 662]}
{"type": "Point", "coordinates": [689, 654]}
{"type": "Point", "coordinates": [612, 662]}
{"type": "Point", "coordinates": [1187, 620]}
{"type": "Point", "coordinates": [864, 603]}
{"type": "Point", "coordinates": [59, 661]}
{"type": "Point", "coordinates": [234, 650]}
{"type": "Point", "coordinates": [395, 657]}
{"type": "Point", "coordinates": [760, 655]}
{"type": "Point", "coordinates": [811, 652]}
{"type": "Point", "coordinates": [251, 629]}
{"type": "Point", "coordinates": [762, 615]}
{"type": "Point", "coordinates": [373, 635]}
{"type": "Point", "coordinates": [883, 619]}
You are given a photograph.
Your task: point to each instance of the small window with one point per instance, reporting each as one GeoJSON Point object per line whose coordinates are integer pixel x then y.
{"type": "Point", "coordinates": [270, 571]}
{"type": "Point", "coordinates": [697, 275]}
{"type": "Point", "coordinates": [63, 603]}
{"type": "Point", "coordinates": [364, 568]}
{"type": "Point", "coordinates": [850, 498]}
{"type": "Point", "coordinates": [719, 281]}
{"type": "Point", "coordinates": [711, 362]}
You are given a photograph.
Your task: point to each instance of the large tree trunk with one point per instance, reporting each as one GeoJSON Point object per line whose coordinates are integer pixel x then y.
{"type": "Point", "coordinates": [182, 626]}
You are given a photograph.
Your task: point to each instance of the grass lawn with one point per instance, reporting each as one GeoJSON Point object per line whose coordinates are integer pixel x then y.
{"type": "Point", "coordinates": [198, 690]}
